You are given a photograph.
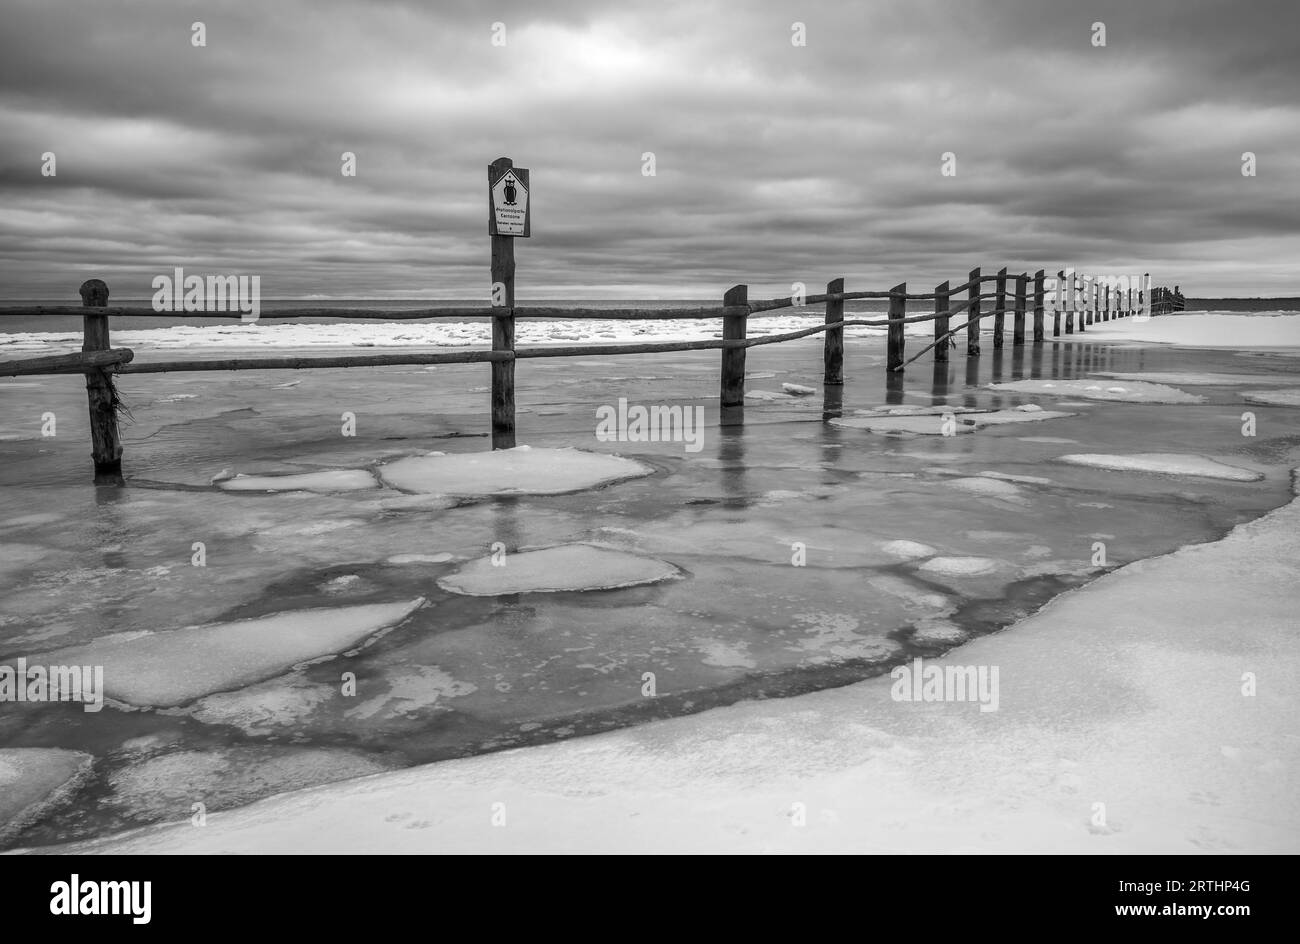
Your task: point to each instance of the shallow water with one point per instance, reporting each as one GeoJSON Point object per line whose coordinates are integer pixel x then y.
{"type": "Point", "coordinates": [470, 674]}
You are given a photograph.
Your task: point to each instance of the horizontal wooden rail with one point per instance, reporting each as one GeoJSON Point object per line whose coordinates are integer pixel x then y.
{"type": "Point", "coordinates": [304, 363]}
{"type": "Point", "coordinates": [401, 314]}
{"type": "Point", "coordinates": [76, 363]}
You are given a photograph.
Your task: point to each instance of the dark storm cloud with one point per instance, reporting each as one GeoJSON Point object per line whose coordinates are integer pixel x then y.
{"type": "Point", "coordinates": [774, 163]}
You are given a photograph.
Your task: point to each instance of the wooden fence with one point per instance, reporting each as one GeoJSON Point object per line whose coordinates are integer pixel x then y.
{"type": "Point", "coordinates": [1022, 296]}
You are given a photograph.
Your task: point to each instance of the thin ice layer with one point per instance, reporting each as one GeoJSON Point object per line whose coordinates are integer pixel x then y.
{"type": "Point", "coordinates": [337, 480]}
{"type": "Point", "coordinates": [174, 667]}
{"type": "Point", "coordinates": [1130, 391]}
{"type": "Point", "coordinates": [567, 567]}
{"type": "Point", "coordinates": [521, 470]}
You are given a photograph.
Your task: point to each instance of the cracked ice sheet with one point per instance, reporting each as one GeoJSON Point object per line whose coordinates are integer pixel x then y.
{"type": "Point", "coordinates": [1166, 463]}
{"type": "Point", "coordinates": [1129, 391]}
{"type": "Point", "coordinates": [1115, 691]}
{"type": "Point", "coordinates": [175, 667]}
{"type": "Point", "coordinates": [519, 471]}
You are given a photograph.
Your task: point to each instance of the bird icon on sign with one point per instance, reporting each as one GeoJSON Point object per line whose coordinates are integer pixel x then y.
{"type": "Point", "coordinates": [511, 192]}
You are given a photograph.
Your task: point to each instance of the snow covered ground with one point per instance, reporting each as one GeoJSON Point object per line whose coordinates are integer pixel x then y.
{"type": "Point", "coordinates": [1152, 711]}
{"type": "Point", "coordinates": [1204, 329]}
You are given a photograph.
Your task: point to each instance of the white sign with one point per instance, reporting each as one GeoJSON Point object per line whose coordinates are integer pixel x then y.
{"type": "Point", "coordinates": [510, 203]}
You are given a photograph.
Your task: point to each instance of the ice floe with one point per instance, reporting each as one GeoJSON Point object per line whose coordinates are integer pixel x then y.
{"type": "Point", "coordinates": [32, 779]}
{"type": "Point", "coordinates": [1273, 397]}
{"type": "Point", "coordinates": [1165, 463]}
{"type": "Point", "coordinates": [798, 390]}
{"type": "Point", "coordinates": [177, 666]}
{"type": "Point", "coordinates": [1136, 391]}
{"type": "Point", "coordinates": [766, 395]}
{"type": "Point", "coordinates": [339, 480]}
{"type": "Point", "coordinates": [521, 471]}
{"type": "Point", "coordinates": [961, 566]}
{"type": "Point", "coordinates": [931, 423]}
{"type": "Point", "coordinates": [553, 569]}
{"type": "Point", "coordinates": [908, 550]}
{"type": "Point", "coordinates": [1195, 379]}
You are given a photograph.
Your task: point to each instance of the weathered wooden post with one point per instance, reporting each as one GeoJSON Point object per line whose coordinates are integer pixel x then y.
{"type": "Point", "coordinates": [733, 358]}
{"type": "Point", "coordinates": [941, 343]}
{"type": "Point", "coordinates": [1040, 277]}
{"type": "Point", "coordinates": [1106, 292]}
{"type": "Point", "coordinates": [833, 352]}
{"type": "Point", "coordinates": [1000, 311]}
{"type": "Point", "coordinates": [105, 442]}
{"type": "Point", "coordinates": [1058, 305]}
{"type": "Point", "coordinates": [1018, 324]}
{"type": "Point", "coordinates": [897, 312]}
{"type": "Point", "coordinates": [973, 314]}
{"type": "Point", "coordinates": [1089, 296]}
{"type": "Point", "coordinates": [509, 215]}
{"type": "Point", "coordinates": [1073, 299]}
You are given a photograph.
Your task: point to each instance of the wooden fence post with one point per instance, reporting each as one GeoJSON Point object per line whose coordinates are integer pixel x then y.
{"type": "Point", "coordinates": [1073, 297]}
{"type": "Point", "coordinates": [1106, 290]}
{"type": "Point", "coordinates": [897, 312]}
{"type": "Point", "coordinates": [503, 326]}
{"type": "Point", "coordinates": [1059, 307]}
{"type": "Point", "coordinates": [1039, 278]}
{"type": "Point", "coordinates": [1018, 324]}
{"type": "Point", "coordinates": [833, 352]}
{"type": "Point", "coordinates": [1000, 312]}
{"type": "Point", "coordinates": [941, 322]}
{"type": "Point", "coordinates": [973, 314]}
{"type": "Point", "coordinates": [1089, 292]}
{"type": "Point", "coordinates": [733, 358]}
{"type": "Point", "coordinates": [105, 443]}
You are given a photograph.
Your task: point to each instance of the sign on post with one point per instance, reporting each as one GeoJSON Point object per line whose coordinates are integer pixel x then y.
{"type": "Point", "coordinates": [508, 198]}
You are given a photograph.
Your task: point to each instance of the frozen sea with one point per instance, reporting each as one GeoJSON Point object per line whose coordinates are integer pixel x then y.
{"type": "Point", "coordinates": [907, 544]}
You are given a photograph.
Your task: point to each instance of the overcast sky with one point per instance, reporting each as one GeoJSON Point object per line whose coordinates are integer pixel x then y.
{"type": "Point", "coordinates": [774, 162]}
